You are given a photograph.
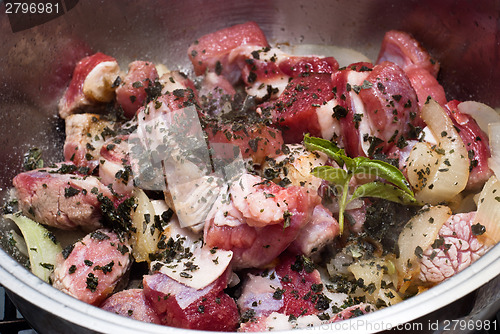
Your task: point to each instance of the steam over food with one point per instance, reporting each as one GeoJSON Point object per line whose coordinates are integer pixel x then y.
{"type": "Point", "coordinates": [268, 190]}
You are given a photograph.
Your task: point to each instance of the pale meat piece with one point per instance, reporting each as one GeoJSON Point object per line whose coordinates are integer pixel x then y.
{"type": "Point", "coordinates": [91, 86]}
{"type": "Point", "coordinates": [65, 201]}
{"type": "Point", "coordinates": [259, 221]}
{"type": "Point", "coordinates": [455, 249]}
{"type": "Point", "coordinates": [181, 306]}
{"type": "Point", "coordinates": [115, 168]}
{"type": "Point", "coordinates": [141, 80]}
{"type": "Point", "coordinates": [294, 285]}
{"type": "Point", "coordinates": [85, 135]}
{"type": "Point", "coordinates": [320, 231]}
{"type": "Point", "coordinates": [91, 268]}
{"type": "Point", "coordinates": [133, 304]}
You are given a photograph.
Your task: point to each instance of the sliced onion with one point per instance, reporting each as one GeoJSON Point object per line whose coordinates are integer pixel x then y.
{"type": "Point", "coordinates": [344, 56]}
{"type": "Point", "coordinates": [369, 270]}
{"type": "Point", "coordinates": [438, 172]}
{"type": "Point", "coordinates": [482, 113]}
{"type": "Point", "coordinates": [494, 161]}
{"type": "Point", "coordinates": [42, 249]}
{"type": "Point", "coordinates": [418, 235]}
{"type": "Point", "coordinates": [488, 212]}
{"type": "Point", "coordinates": [145, 237]}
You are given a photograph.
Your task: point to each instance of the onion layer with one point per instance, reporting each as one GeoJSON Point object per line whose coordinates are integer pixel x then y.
{"type": "Point", "coordinates": [145, 237]}
{"type": "Point", "coordinates": [482, 113]}
{"type": "Point", "coordinates": [488, 212]}
{"type": "Point", "coordinates": [418, 235]}
{"type": "Point", "coordinates": [494, 134]}
{"type": "Point", "coordinates": [438, 172]}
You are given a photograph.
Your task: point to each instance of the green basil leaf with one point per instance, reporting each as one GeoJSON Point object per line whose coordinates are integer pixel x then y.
{"type": "Point", "coordinates": [385, 191]}
{"type": "Point", "coordinates": [331, 174]}
{"type": "Point", "coordinates": [383, 170]}
{"type": "Point", "coordinates": [325, 146]}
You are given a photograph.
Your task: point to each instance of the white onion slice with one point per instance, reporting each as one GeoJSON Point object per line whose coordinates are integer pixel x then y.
{"type": "Point", "coordinates": [438, 173]}
{"type": "Point", "coordinates": [344, 56]}
{"type": "Point", "coordinates": [488, 212]}
{"type": "Point", "coordinates": [494, 161]}
{"type": "Point", "coordinates": [143, 242]}
{"type": "Point", "coordinates": [419, 232]}
{"type": "Point", "coordinates": [482, 113]}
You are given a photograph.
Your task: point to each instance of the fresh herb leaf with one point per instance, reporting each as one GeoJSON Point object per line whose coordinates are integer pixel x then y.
{"type": "Point", "coordinates": [399, 191]}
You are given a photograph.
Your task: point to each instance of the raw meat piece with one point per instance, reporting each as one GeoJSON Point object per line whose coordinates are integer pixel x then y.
{"type": "Point", "coordinates": [92, 267]}
{"type": "Point", "coordinates": [65, 201]}
{"type": "Point", "coordinates": [133, 304]}
{"type": "Point", "coordinates": [260, 221]}
{"type": "Point", "coordinates": [211, 51]}
{"type": "Point", "coordinates": [181, 306]}
{"type": "Point", "coordinates": [85, 135]}
{"type": "Point", "coordinates": [92, 85]}
{"type": "Point", "coordinates": [133, 91]}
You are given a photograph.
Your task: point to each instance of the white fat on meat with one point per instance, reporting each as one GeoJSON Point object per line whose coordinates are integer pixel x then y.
{"type": "Point", "coordinates": [365, 127]}
{"type": "Point", "coordinates": [330, 126]}
{"type": "Point", "coordinates": [259, 88]}
{"type": "Point", "coordinates": [203, 267]}
{"type": "Point", "coordinates": [98, 85]}
{"type": "Point", "coordinates": [320, 231]}
{"type": "Point", "coordinates": [258, 293]}
{"type": "Point", "coordinates": [300, 163]}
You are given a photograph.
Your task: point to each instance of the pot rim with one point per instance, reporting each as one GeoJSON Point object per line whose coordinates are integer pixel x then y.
{"type": "Point", "coordinates": [17, 279]}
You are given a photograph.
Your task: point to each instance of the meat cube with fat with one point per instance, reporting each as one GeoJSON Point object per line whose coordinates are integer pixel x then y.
{"type": "Point", "coordinates": [182, 306]}
{"type": "Point", "coordinates": [294, 285]}
{"type": "Point", "coordinates": [407, 53]}
{"type": "Point", "coordinates": [90, 269]}
{"type": "Point", "coordinates": [131, 303]}
{"type": "Point", "coordinates": [476, 143]}
{"type": "Point", "coordinates": [85, 135]}
{"type": "Point", "coordinates": [320, 231]}
{"type": "Point", "coordinates": [212, 51]}
{"type": "Point", "coordinates": [257, 141]}
{"type": "Point", "coordinates": [375, 105]}
{"type": "Point", "coordinates": [258, 220]}
{"type": "Point", "coordinates": [115, 168]}
{"type": "Point", "coordinates": [296, 110]}
{"type": "Point", "coordinates": [91, 86]}
{"type": "Point", "coordinates": [52, 197]}
{"type": "Point", "coordinates": [390, 105]}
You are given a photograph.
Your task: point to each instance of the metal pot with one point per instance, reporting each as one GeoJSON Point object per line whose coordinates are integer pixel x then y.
{"type": "Point", "coordinates": [36, 64]}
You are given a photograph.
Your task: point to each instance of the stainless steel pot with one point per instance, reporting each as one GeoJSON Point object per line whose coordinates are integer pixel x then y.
{"type": "Point", "coordinates": [36, 64]}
